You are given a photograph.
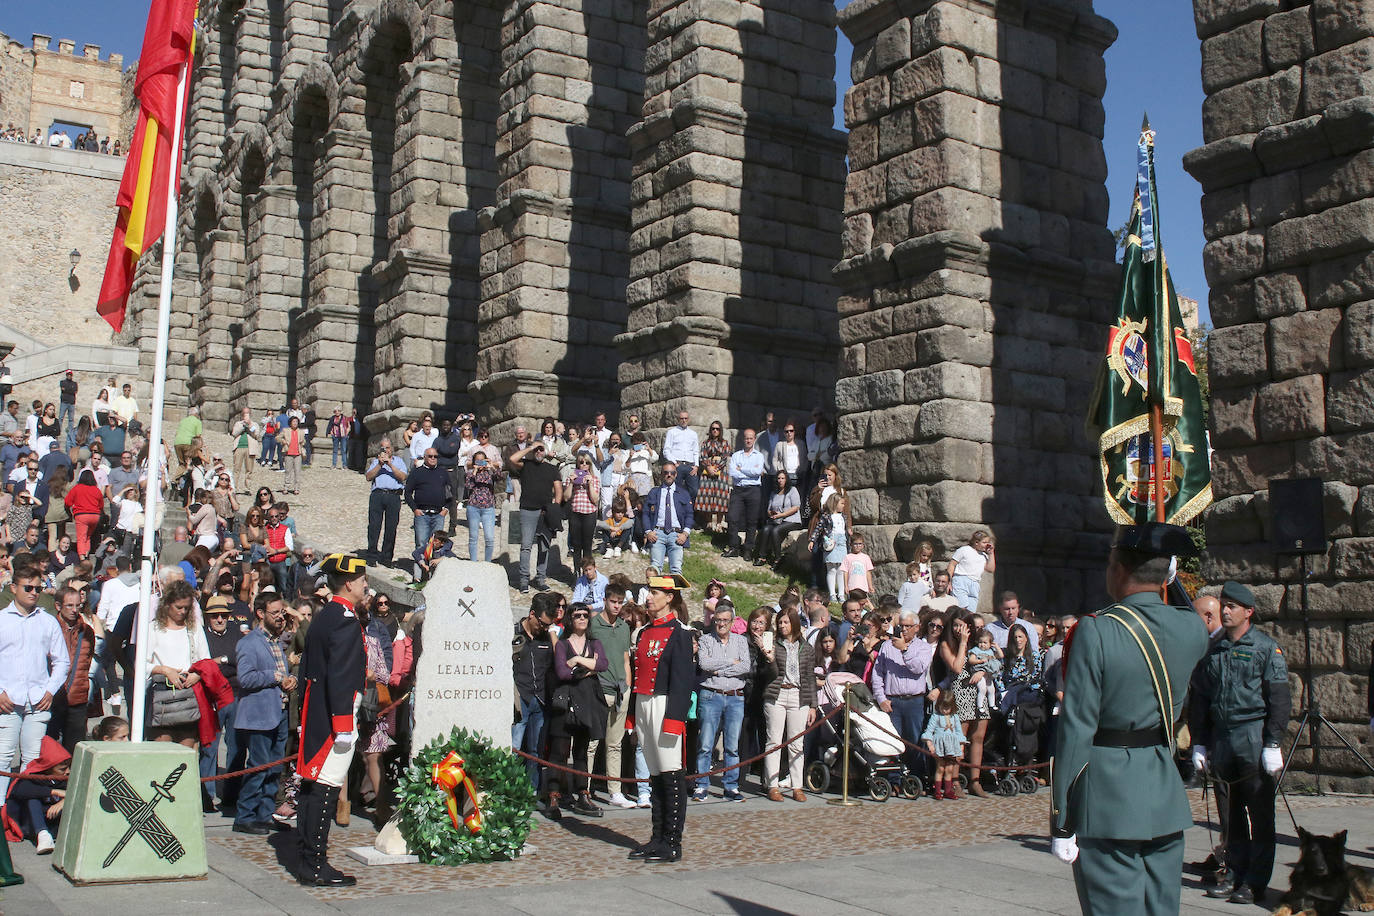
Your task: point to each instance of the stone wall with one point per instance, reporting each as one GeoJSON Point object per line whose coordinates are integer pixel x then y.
{"type": "Point", "coordinates": [976, 286]}
{"type": "Point", "coordinates": [55, 201]}
{"type": "Point", "coordinates": [1288, 174]}
{"type": "Point", "coordinates": [16, 82]}
{"type": "Point", "coordinates": [735, 229]}
{"type": "Point", "coordinates": [78, 88]}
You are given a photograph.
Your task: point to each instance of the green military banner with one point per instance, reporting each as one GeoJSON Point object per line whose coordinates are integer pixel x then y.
{"type": "Point", "coordinates": [1148, 365]}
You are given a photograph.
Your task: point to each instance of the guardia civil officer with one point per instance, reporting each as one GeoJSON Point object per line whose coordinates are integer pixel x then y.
{"type": "Point", "coordinates": [1239, 713]}
{"type": "Point", "coordinates": [663, 679]}
{"type": "Point", "coordinates": [333, 670]}
{"type": "Point", "coordinates": [1119, 806]}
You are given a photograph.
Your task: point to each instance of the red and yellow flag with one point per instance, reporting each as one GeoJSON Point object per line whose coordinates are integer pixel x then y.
{"type": "Point", "coordinates": [168, 44]}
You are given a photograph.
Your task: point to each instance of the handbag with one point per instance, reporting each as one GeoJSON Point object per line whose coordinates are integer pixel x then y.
{"type": "Point", "coordinates": [562, 700]}
{"type": "Point", "coordinates": [169, 706]}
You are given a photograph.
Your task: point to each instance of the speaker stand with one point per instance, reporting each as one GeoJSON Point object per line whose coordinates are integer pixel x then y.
{"type": "Point", "coordinates": [1312, 719]}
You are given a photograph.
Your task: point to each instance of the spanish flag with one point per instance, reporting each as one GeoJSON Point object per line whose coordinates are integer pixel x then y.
{"type": "Point", "coordinates": [168, 44]}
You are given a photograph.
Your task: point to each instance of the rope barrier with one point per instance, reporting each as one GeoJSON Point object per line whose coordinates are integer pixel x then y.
{"type": "Point", "coordinates": [716, 772]}
{"type": "Point", "coordinates": [204, 779]}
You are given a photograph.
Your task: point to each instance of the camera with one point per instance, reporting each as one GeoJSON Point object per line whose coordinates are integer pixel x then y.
{"type": "Point", "coordinates": [861, 629]}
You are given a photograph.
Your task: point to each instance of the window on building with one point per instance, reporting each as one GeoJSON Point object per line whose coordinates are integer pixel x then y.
{"type": "Point", "coordinates": [78, 89]}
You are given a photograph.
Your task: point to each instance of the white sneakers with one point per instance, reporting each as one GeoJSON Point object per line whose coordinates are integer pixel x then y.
{"type": "Point", "coordinates": [634, 548]}
{"type": "Point", "coordinates": [620, 801]}
{"type": "Point", "coordinates": [615, 552]}
{"type": "Point", "coordinates": [44, 843]}
{"type": "Point", "coordinates": [644, 802]}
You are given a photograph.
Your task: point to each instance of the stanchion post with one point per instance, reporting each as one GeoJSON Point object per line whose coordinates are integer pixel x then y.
{"type": "Point", "coordinates": [844, 800]}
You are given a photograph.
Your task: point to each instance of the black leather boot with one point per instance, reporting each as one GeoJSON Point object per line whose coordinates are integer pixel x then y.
{"type": "Point", "coordinates": [674, 817]}
{"type": "Point", "coordinates": [655, 816]}
{"type": "Point", "coordinates": [314, 813]}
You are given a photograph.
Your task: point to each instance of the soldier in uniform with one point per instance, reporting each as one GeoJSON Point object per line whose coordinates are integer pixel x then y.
{"type": "Point", "coordinates": [1239, 713]}
{"type": "Point", "coordinates": [333, 669]}
{"type": "Point", "coordinates": [663, 679]}
{"type": "Point", "coordinates": [1119, 806]}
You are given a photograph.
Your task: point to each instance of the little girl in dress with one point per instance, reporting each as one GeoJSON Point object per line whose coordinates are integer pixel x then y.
{"type": "Point", "coordinates": [944, 737]}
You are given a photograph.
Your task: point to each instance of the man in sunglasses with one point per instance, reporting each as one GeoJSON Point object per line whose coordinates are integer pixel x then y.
{"type": "Point", "coordinates": [668, 519]}
{"type": "Point", "coordinates": [33, 668]}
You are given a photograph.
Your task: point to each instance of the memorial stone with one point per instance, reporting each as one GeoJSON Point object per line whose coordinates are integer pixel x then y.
{"type": "Point", "coordinates": [132, 813]}
{"type": "Point", "coordinates": [463, 674]}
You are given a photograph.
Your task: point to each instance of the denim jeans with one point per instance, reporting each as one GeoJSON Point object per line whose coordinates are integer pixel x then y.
{"type": "Point", "coordinates": [258, 796]}
{"type": "Point", "coordinates": [528, 735]}
{"type": "Point", "coordinates": [529, 524]}
{"type": "Point", "coordinates": [66, 418]}
{"type": "Point", "coordinates": [307, 448]}
{"type": "Point", "coordinates": [665, 543]}
{"type": "Point", "coordinates": [269, 449]}
{"type": "Point", "coordinates": [425, 526]}
{"type": "Point", "coordinates": [21, 739]}
{"type": "Point", "coordinates": [285, 575]}
{"type": "Point", "coordinates": [719, 714]}
{"type": "Point", "coordinates": [966, 589]}
{"type": "Point", "coordinates": [641, 773]}
{"type": "Point", "coordinates": [486, 518]}
{"type": "Point", "coordinates": [909, 718]}
{"type": "Point", "coordinates": [338, 458]}
{"type": "Point", "coordinates": [223, 789]}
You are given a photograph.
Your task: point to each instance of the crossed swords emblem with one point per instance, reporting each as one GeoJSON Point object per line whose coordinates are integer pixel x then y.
{"type": "Point", "coordinates": [120, 796]}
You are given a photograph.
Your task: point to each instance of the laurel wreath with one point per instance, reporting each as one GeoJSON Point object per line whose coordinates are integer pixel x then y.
{"type": "Point", "coordinates": [506, 800]}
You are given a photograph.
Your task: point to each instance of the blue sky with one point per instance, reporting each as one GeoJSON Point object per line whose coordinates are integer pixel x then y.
{"type": "Point", "coordinates": [1154, 66]}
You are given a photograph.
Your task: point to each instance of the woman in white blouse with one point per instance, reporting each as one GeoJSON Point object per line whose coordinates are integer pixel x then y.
{"type": "Point", "coordinates": [176, 641]}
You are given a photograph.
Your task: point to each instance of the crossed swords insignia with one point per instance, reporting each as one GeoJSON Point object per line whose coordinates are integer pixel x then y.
{"type": "Point", "coordinates": [120, 796]}
{"type": "Point", "coordinates": [466, 607]}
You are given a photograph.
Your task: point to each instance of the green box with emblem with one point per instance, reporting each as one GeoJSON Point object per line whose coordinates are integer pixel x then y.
{"type": "Point", "coordinates": [132, 814]}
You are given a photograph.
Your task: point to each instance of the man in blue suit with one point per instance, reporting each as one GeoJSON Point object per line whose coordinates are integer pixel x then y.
{"type": "Point", "coordinates": [668, 520]}
{"type": "Point", "coordinates": [265, 683]}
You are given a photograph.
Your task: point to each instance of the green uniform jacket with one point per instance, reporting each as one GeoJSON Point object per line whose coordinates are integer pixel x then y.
{"type": "Point", "coordinates": [1241, 702]}
{"type": "Point", "coordinates": [1116, 793]}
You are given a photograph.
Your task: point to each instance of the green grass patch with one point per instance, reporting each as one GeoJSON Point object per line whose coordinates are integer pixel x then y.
{"type": "Point", "coordinates": [749, 587]}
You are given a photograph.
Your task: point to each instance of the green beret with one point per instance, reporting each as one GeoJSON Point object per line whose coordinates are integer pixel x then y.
{"type": "Point", "coordinates": [1234, 591]}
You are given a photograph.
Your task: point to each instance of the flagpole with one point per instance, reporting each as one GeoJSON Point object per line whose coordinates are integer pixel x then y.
{"type": "Point", "coordinates": [1157, 474]}
{"type": "Point", "coordinates": [150, 520]}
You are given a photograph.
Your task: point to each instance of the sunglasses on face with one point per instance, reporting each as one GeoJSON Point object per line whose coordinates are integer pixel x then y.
{"type": "Point", "coordinates": [581, 616]}
{"type": "Point", "coordinates": [31, 589]}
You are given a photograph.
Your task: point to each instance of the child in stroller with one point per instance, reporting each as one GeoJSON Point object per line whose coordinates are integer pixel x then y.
{"type": "Point", "coordinates": [875, 756]}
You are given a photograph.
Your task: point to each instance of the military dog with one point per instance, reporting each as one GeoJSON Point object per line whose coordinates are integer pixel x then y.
{"type": "Point", "coordinates": [1322, 884]}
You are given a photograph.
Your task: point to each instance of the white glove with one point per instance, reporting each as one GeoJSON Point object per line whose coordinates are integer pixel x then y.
{"type": "Point", "coordinates": [344, 741]}
{"type": "Point", "coordinates": [1065, 849]}
{"type": "Point", "coordinates": [1199, 758]}
{"type": "Point", "coordinates": [1271, 758]}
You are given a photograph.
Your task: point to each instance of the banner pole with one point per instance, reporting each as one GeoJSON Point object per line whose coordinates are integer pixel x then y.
{"type": "Point", "coordinates": [150, 500]}
{"type": "Point", "coordinates": [1157, 473]}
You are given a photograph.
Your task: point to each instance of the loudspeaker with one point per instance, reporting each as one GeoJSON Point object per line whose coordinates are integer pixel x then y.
{"type": "Point", "coordinates": [1296, 516]}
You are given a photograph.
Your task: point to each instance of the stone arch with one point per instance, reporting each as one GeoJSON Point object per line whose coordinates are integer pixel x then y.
{"type": "Point", "coordinates": [318, 77]}
{"type": "Point", "coordinates": [259, 381]}
{"type": "Point", "coordinates": [382, 25]}
{"type": "Point", "coordinates": [381, 74]}
{"type": "Point", "coordinates": [307, 312]}
{"type": "Point", "coordinates": [219, 307]}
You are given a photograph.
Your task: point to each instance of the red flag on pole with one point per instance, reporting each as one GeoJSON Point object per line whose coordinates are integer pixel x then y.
{"type": "Point", "coordinates": [168, 44]}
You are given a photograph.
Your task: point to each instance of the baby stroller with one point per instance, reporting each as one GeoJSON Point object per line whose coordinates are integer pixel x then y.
{"type": "Point", "coordinates": [874, 755]}
{"type": "Point", "coordinates": [1018, 720]}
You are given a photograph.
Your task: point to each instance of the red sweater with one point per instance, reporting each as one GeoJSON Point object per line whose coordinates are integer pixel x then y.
{"type": "Point", "coordinates": [84, 498]}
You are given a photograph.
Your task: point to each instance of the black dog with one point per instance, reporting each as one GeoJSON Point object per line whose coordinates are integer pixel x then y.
{"type": "Point", "coordinates": [1322, 884]}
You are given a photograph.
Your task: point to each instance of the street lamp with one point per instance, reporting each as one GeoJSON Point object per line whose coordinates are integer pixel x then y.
{"type": "Point", "coordinates": [75, 257]}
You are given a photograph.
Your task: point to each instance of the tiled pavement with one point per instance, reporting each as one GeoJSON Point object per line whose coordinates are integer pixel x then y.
{"type": "Point", "coordinates": [900, 857]}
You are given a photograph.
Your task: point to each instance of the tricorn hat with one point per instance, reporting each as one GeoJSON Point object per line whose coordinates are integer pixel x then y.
{"type": "Point", "coordinates": [343, 564]}
{"type": "Point", "coordinates": [672, 582]}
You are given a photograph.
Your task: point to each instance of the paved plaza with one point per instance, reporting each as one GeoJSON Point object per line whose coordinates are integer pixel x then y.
{"type": "Point", "coordinates": [901, 857]}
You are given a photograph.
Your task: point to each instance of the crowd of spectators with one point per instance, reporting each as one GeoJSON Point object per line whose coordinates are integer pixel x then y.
{"type": "Point", "coordinates": [936, 673]}
{"type": "Point", "coordinates": [87, 141]}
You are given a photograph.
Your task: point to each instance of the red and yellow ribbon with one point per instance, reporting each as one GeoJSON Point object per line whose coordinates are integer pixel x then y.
{"type": "Point", "coordinates": [448, 775]}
